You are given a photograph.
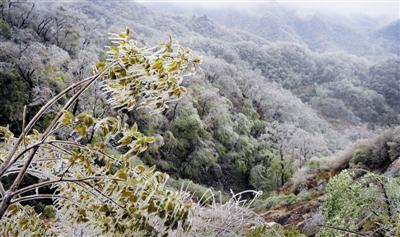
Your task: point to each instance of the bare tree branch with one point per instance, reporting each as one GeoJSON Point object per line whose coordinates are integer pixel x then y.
{"type": "Point", "coordinates": [50, 182]}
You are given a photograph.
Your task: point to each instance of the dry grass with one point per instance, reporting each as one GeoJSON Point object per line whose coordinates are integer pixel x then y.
{"type": "Point", "coordinates": [212, 216]}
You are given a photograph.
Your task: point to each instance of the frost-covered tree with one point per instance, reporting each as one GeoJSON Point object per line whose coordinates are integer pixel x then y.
{"type": "Point", "coordinates": [278, 137]}
{"type": "Point", "coordinates": [90, 162]}
{"type": "Point", "coordinates": [306, 145]}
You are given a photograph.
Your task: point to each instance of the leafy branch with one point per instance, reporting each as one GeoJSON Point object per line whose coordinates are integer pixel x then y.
{"type": "Point", "coordinates": [115, 194]}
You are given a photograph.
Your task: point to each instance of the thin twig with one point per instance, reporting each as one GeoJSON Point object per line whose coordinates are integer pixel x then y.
{"type": "Point", "coordinates": [61, 149]}
{"type": "Point", "coordinates": [99, 192]}
{"type": "Point", "coordinates": [70, 143]}
{"type": "Point", "coordinates": [47, 183]}
{"type": "Point", "coordinates": [37, 196]}
{"type": "Point", "coordinates": [24, 121]}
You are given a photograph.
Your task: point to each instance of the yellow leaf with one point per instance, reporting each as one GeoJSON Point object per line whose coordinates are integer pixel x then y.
{"type": "Point", "coordinates": [115, 50]}
{"type": "Point", "coordinates": [67, 118]}
{"type": "Point", "coordinates": [149, 139]}
{"type": "Point", "coordinates": [121, 174]}
{"type": "Point", "coordinates": [173, 66]}
{"type": "Point", "coordinates": [86, 118]}
{"type": "Point", "coordinates": [158, 64]}
{"type": "Point", "coordinates": [134, 127]}
{"type": "Point", "coordinates": [125, 140]}
{"type": "Point", "coordinates": [6, 134]}
{"type": "Point", "coordinates": [197, 60]}
{"type": "Point", "coordinates": [13, 209]}
{"type": "Point", "coordinates": [100, 65]}
{"type": "Point", "coordinates": [81, 129]}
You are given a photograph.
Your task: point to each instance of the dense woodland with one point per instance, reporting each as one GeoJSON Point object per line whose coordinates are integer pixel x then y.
{"type": "Point", "coordinates": [302, 108]}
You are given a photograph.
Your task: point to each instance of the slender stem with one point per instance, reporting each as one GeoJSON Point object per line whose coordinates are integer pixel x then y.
{"type": "Point", "coordinates": [8, 196]}
{"type": "Point", "coordinates": [61, 149]}
{"type": "Point", "coordinates": [60, 113]}
{"type": "Point", "coordinates": [37, 196]}
{"type": "Point", "coordinates": [47, 183]}
{"type": "Point", "coordinates": [387, 201]}
{"type": "Point", "coordinates": [70, 143]}
{"type": "Point", "coordinates": [23, 153]}
{"type": "Point", "coordinates": [24, 120]}
{"type": "Point", "coordinates": [33, 146]}
{"type": "Point", "coordinates": [66, 170]}
{"type": "Point", "coordinates": [52, 142]}
{"type": "Point", "coordinates": [2, 191]}
{"type": "Point", "coordinates": [101, 193]}
{"type": "Point", "coordinates": [31, 172]}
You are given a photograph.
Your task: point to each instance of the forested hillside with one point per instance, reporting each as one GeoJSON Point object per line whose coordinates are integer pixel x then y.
{"type": "Point", "coordinates": [276, 94]}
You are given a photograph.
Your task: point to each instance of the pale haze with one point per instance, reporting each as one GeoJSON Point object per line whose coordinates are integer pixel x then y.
{"type": "Point", "coordinates": [372, 8]}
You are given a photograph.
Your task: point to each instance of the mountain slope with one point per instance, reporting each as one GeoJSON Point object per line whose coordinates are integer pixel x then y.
{"type": "Point", "coordinates": [253, 83]}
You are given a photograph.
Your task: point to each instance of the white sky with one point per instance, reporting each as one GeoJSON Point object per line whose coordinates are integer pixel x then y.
{"type": "Point", "coordinates": [389, 8]}
{"type": "Point", "coordinates": [373, 8]}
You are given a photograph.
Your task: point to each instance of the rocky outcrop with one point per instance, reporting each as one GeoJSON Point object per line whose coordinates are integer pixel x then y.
{"type": "Point", "coordinates": [393, 169]}
{"type": "Point", "coordinates": [380, 155]}
{"type": "Point", "coordinates": [303, 215]}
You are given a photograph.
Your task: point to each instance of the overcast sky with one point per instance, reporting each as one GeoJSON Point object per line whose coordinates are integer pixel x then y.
{"type": "Point", "coordinates": [374, 8]}
{"type": "Point", "coordinates": [370, 7]}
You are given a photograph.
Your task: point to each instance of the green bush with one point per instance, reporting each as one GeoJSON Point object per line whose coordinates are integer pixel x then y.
{"type": "Point", "coordinates": [259, 178]}
{"type": "Point", "coordinates": [199, 161]}
{"type": "Point", "coordinates": [188, 126]}
{"type": "Point", "coordinates": [5, 29]}
{"type": "Point", "coordinates": [49, 212]}
{"type": "Point", "coordinates": [282, 199]}
{"type": "Point", "coordinates": [379, 152]}
{"type": "Point", "coordinates": [313, 164]}
{"type": "Point", "coordinates": [279, 172]}
{"type": "Point", "coordinates": [367, 205]}
{"type": "Point", "coordinates": [226, 136]}
{"type": "Point", "coordinates": [13, 96]}
{"type": "Point", "coordinates": [258, 127]}
{"type": "Point", "coordinates": [362, 156]}
{"type": "Point", "coordinates": [198, 192]}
